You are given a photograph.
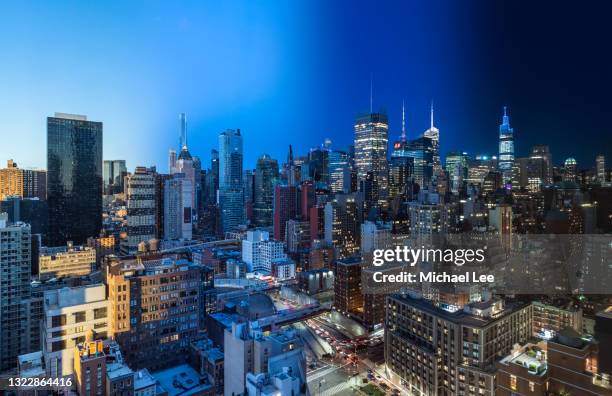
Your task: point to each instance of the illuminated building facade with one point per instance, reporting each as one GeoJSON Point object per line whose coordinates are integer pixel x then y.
{"type": "Point", "coordinates": [506, 149]}
{"type": "Point", "coordinates": [266, 176]}
{"type": "Point", "coordinates": [433, 134]}
{"type": "Point", "coordinates": [342, 225]}
{"type": "Point", "coordinates": [371, 141]}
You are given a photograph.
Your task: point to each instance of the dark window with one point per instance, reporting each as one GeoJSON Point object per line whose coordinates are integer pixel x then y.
{"type": "Point", "coordinates": [58, 333]}
{"type": "Point", "coordinates": [100, 313]}
{"type": "Point", "coordinates": [58, 345]}
{"type": "Point", "coordinates": [79, 316]}
{"type": "Point", "coordinates": [58, 320]}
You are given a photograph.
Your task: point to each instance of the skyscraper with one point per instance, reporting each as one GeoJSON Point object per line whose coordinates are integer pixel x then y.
{"type": "Point", "coordinates": [285, 208]}
{"type": "Point", "coordinates": [183, 121]}
{"type": "Point", "coordinates": [317, 165]}
{"type": "Point", "coordinates": [178, 196]}
{"type": "Point", "coordinates": [114, 172]}
{"type": "Point", "coordinates": [433, 133]}
{"type": "Point", "coordinates": [266, 176]}
{"type": "Point", "coordinates": [339, 178]}
{"type": "Point", "coordinates": [231, 189]}
{"type": "Point", "coordinates": [212, 178]}
{"type": "Point", "coordinates": [186, 164]}
{"type": "Point", "coordinates": [570, 168]}
{"type": "Point", "coordinates": [15, 267]}
{"type": "Point", "coordinates": [141, 209]}
{"type": "Point", "coordinates": [230, 159]}
{"type": "Point", "coordinates": [371, 141]}
{"type": "Point", "coordinates": [171, 159]}
{"type": "Point", "coordinates": [543, 152]}
{"type": "Point", "coordinates": [506, 148]}
{"type": "Point", "coordinates": [457, 168]}
{"type": "Point", "coordinates": [291, 170]}
{"type": "Point", "coordinates": [401, 171]}
{"type": "Point", "coordinates": [342, 224]}
{"type": "Point", "coordinates": [74, 178]}
{"type": "Point", "coordinates": [600, 162]}
{"type": "Point", "coordinates": [421, 150]}
{"type": "Point", "coordinates": [348, 296]}
{"type": "Point", "coordinates": [248, 181]}
{"type": "Point", "coordinates": [479, 167]}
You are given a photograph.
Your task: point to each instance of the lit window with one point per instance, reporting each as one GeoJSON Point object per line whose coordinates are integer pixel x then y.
{"type": "Point", "coordinates": [513, 385]}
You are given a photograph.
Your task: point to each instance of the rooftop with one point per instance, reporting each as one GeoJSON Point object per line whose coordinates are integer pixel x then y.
{"type": "Point", "coordinates": [117, 370]}
{"type": "Point", "coordinates": [143, 379]}
{"type": "Point", "coordinates": [180, 380]}
{"type": "Point", "coordinates": [459, 316]}
{"type": "Point", "coordinates": [225, 318]}
{"type": "Point", "coordinates": [30, 364]}
{"type": "Point", "coordinates": [70, 296]}
{"type": "Point", "coordinates": [531, 357]}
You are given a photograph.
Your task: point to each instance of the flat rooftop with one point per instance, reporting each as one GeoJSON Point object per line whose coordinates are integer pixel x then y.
{"type": "Point", "coordinates": [531, 358]}
{"type": "Point", "coordinates": [143, 379]}
{"type": "Point", "coordinates": [459, 316]}
{"type": "Point", "coordinates": [180, 380]}
{"type": "Point", "coordinates": [117, 370]}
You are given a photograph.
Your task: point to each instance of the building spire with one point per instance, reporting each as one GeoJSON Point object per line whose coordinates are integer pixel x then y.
{"type": "Point", "coordinates": [506, 119]}
{"type": "Point", "coordinates": [371, 93]}
{"type": "Point", "coordinates": [290, 158]}
{"type": "Point", "coordinates": [432, 115]}
{"type": "Point", "coordinates": [183, 120]}
{"type": "Point", "coordinates": [403, 137]}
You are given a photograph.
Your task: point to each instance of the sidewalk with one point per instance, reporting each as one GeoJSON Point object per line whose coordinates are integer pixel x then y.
{"type": "Point", "coordinates": [380, 370]}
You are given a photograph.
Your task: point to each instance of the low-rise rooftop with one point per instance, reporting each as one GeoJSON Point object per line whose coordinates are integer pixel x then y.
{"type": "Point", "coordinates": [181, 380]}
{"type": "Point", "coordinates": [531, 357]}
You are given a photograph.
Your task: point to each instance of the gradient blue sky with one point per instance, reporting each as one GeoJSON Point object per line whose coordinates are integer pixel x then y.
{"type": "Point", "coordinates": [283, 72]}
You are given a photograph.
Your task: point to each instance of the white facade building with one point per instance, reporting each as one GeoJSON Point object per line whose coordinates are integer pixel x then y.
{"type": "Point", "coordinates": [264, 365]}
{"type": "Point", "coordinates": [69, 314]}
{"type": "Point", "coordinates": [283, 269]}
{"type": "Point", "coordinates": [258, 250]}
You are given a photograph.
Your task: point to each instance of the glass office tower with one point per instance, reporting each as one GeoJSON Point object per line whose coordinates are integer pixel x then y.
{"type": "Point", "coordinates": [74, 184]}
{"type": "Point", "coordinates": [371, 140]}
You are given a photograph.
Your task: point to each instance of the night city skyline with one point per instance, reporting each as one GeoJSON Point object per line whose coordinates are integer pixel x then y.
{"type": "Point", "coordinates": [274, 75]}
{"type": "Point", "coordinates": [313, 198]}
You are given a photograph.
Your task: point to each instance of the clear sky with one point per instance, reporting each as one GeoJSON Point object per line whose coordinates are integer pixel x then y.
{"type": "Point", "coordinates": [299, 71]}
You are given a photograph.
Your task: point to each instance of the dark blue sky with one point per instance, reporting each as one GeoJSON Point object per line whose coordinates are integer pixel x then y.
{"type": "Point", "coordinates": [297, 72]}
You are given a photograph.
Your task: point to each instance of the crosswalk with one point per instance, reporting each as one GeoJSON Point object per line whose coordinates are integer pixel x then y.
{"type": "Point", "coordinates": [334, 390]}
{"type": "Point", "coordinates": [315, 375]}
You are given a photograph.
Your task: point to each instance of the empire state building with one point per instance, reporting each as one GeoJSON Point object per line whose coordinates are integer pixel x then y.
{"type": "Point", "coordinates": [506, 149]}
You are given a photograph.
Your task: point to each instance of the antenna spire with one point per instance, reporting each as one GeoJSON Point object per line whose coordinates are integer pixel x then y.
{"type": "Point", "coordinates": [432, 115]}
{"type": "Point", "coordinates": [183, 121]}
{"type": "Point", "coordinates": [371, 90]}
{"type": "Point", "coordinates": [403, 137]}
{"type": "Point", "coordinates": [506, 119]}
